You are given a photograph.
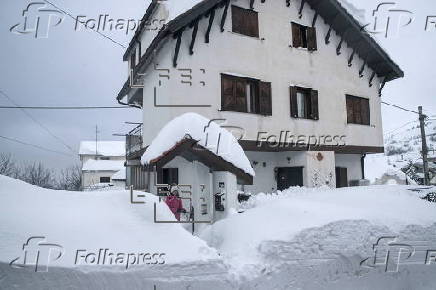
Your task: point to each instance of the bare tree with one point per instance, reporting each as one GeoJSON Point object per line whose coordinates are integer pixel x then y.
{"type": "Point", "coordinates": [8, 166]}
{"type": "Point", "coordinates": [70, 179]}
{"type": "Point", "coordinates": [38, 175]}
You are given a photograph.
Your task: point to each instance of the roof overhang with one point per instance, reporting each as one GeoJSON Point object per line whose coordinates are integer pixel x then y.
{"type": "Point", "coordinates": [191, 151]}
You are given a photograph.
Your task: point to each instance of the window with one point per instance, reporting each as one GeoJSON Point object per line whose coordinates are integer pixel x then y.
{"type": "Point", "coordinates": [304, 103]}
{"type": "Point", "coordinates": [304, 36]}
{"type": "Point", "coordinates": [103, 158]}
{"type": "Point", "coordinates": [358, 110]}
{"type": "Point", "coordinates": [168, 176]}
{"type": "Point", "coordinates": [105, 179]}
{"type": "Point", "coordinates": [245, 21]}
{"type": "Point", "coordinates": [245, 95]}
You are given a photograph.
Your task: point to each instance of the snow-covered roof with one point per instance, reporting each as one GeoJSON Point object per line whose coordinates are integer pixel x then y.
{"type": "Point", "coordinates": [103, 165]}
{"type": "Point", "coordinates": [104, 148]}
{"type": "Point", "coordinates": [209, 135]}
{"type": "Point", "coordinates": [120, 175]}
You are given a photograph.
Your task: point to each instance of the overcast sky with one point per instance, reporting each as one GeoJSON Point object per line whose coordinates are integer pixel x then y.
{"type": "Point", "coordinates": [82, 68]}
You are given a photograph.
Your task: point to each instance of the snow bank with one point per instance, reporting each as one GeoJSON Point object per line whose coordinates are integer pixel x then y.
{"type": "Point", "coordinates": [104, 148]}
{"type": "Point", "coordinates": [120, 175]}
{"type": "Point", "coordinates": [91, 221]}
{"type": "Point", "coordinates": [109, 165]}
{"type": "Point", "coordinates": [209, 134]}
{"type": "Point", "coordinates": [270, 219]}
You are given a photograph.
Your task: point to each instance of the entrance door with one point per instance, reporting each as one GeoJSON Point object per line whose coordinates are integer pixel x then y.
{"type": "Point", "coordinates": [289, 176]}
{"type": "Point", "coordinates": [341, 177]}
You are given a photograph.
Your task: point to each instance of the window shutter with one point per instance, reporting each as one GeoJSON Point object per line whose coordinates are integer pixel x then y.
{"type": "Point", "coordinates": [365, 112]}
{"type": "Point", "coordinates": [311, 39]}
{"type": "Point", "coordinates": [294, 105]}
{"type": "Point", "coordinates": [237, 19]}
{"type": "Point", "coordinates": [252, 22]}
{"type": "Point", "coordinates": [227, 93]}
{"type": "Point", "coordinates": [314, 114]}
{"type": "Point", "coordinates": [265, 98]}
{"type": "Point", "coordinates": [357, 111]}
{"type": "Point", "coordinates": [296, 36]}
{"type": "Point", "coordinates": [350, 110]}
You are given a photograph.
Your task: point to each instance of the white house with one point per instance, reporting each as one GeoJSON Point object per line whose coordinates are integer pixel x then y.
{"type": "Point", "coordinates": [297, 82]}
{"type": "Point", "coordinates": [102, 162]}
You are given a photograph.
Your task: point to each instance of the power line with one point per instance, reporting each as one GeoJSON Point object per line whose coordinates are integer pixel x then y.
{"type": "Point", "coordinates": [37, 122]}
{"type": "Point", "coordinates": [35, 146]}
{"type": "Point", "coordinates": [399, 107]}
{"type": "Point", "coordinates": [64, 107]}
{"type": "Point", "coordinates": [84, 23]}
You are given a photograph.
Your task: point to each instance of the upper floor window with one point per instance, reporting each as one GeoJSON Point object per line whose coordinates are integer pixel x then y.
{"type": "Point", "coordinates": [304, 103]}
{"type": "Point", "coordinates": [358, 110]}
{"type": "Point", "coordinates": [245, 21]}
{"type": "Point", "coordinates": [304, 36]}
{"type": "Point", "coordinates": [245, 95]}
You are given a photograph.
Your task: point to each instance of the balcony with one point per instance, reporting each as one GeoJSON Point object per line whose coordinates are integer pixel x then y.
{"type": "Point", "coordinates": [134, 141]}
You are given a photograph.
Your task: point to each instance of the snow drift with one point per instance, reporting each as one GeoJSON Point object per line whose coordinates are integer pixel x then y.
{"type": "Point", "coordinates": [91, 221]}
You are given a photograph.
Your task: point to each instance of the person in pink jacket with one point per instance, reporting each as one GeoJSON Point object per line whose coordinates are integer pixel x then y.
{"type": "Point", "coordinates": [174, 202]}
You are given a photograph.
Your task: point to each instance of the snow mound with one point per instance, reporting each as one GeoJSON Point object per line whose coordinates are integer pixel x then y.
{"type": "Point", "coordinates": [104, 148]}
{"type": "Point", "coordinates": [282, 218]}
{"type": "Point", "coordinates": [209, 134]}
{"type": "Point", "coordinates": [91, 221]}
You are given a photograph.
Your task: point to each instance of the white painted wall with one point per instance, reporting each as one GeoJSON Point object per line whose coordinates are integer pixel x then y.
{"type": "Point", "coordinates": [93, 177]}
{"type": "Point", "coordinates": [268, 58]}
{"type": "Point", "coordinates": [352, 163]}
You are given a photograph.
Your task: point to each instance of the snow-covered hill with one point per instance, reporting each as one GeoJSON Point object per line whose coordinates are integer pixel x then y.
{"type": "Point", "coordinates": [402, 146]}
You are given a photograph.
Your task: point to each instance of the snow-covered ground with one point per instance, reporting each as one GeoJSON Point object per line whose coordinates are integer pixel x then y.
{"type": "Point", "coordinates": [296, 239]}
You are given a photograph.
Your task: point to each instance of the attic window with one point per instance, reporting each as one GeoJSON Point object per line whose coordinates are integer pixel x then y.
{"type": "Point", "coordinates": [245, 21]}
{"type": "Point", "coordinates": [304, 36]}
{"type": "Point", "coordinates": [245, 95]}
{"type": "Point", "coordinates": [358, 110]}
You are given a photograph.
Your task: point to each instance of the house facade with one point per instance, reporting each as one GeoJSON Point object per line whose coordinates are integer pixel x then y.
{"type": "Point", "coordinates": [102, 164]}
{"type": "Point", "coordinates": [298, 83]}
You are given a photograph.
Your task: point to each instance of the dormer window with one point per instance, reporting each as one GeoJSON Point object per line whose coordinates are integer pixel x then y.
{"type": "Point", "coordinates": [304, 36]}
{"type": "Point", "coordinates": [245, 21]}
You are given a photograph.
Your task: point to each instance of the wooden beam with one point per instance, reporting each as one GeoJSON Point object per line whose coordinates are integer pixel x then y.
{"type": "Point", "coordinates": [223, 19]}
{"type": "Point", "coordinates": [350, 60]}
{"type": "Point", "coordinates": [371, 79]}
{"type": "Point", "coordinates": [194, 36]}
{"type": "Point", "coordinates": [315, 17]}
{"type": "Point", "coordinates": [362, 69]}
{"type": "Point", "coordinates": [251, 4]}
{"type": "Point", "coordinates": [177, 35]}
{"type": "Point", "coordinates": [338, 49]}
{"type": "Point", "coordinates": [327, 37]}
{"type": "Point", "coordinates": [209, 27]}
{"type": "Point", "coordinates": [288, 3]}
{"type": "Point", "coordinates": [382, 86]}
{"type": "Point", "coordinates": [300, 11]}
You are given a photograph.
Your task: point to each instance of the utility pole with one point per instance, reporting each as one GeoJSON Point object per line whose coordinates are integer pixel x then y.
{"type": "Point", "coordinates": [96, 139]}
{"type": "Point", "coordinates": [422, 118]}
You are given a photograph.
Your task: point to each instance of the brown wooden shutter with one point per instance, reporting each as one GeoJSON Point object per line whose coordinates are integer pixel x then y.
{"type": "Point", "coordinates": [365, 111]}
{"type": "Point", "coordinates": [265, 98]}
{"type": "Point", "coordinates": [314, 114]}
{"type": "Point", "coordinates": [311, 39]}
{"type": "Point", "coordinates": [296, 36]}
{"type": "Point", "coordinates": [227, 93]}
{"type": "Point", "coordinates": [240, 95]}
{"type": "Point", "coordinates": [357, 110]}
{"type": "Point", "coordinates": [252, 22]}
{"type": "Point", "coordinates": [294, 104]}
{"type": "Point", "coordinates": [350, 110]}
{"type": "Point", "coordinates": [237, 19]}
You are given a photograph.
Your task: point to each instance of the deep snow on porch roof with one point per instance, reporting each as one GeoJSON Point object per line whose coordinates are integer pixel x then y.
{"type": "Point", "coordinates": [195, 137]}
